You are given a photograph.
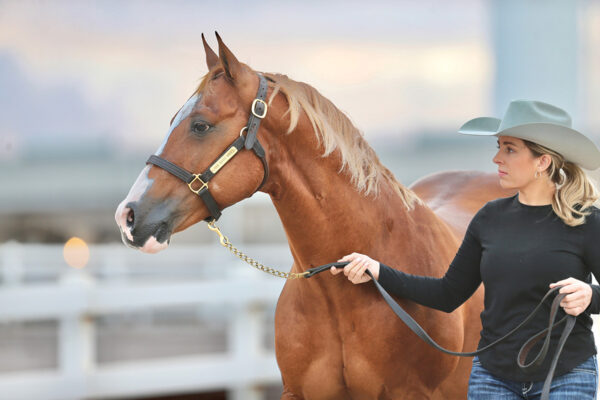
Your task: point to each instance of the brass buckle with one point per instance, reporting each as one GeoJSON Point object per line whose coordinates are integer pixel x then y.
{"type": "Point", "coordinates": [197, 178]}
{"type": "Point", "coordinates": [254, 106]}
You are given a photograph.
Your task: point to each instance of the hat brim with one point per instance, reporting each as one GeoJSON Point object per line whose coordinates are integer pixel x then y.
{"type": "Point", "coordinates": [483, 126]}
{"type": "Point", "coordinates": [571, 144]}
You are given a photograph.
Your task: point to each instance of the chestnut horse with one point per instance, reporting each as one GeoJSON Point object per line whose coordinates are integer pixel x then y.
{"type": "Point", "coordinates": [334, 340]}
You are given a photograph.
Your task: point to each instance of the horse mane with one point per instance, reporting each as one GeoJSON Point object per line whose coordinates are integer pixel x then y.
{"type": "Point", "coordinates": [334, 130]}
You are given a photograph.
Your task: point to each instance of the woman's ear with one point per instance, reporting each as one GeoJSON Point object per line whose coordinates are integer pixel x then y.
{"type": "Point", "coordinates": [544, 162]}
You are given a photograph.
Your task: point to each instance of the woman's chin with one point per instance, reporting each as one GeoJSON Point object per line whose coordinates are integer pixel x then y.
{"type": "Point", "coordinates": [504, 184]}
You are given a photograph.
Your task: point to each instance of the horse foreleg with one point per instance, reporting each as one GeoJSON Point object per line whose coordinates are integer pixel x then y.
{"type": "Point", "coordinates": [455, 387]}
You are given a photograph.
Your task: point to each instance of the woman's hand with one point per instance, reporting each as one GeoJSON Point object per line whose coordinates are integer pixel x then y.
{"type": "Point", "coordinates": [579, 298]}
{"type": "Point", "coordinates": [355, 270]}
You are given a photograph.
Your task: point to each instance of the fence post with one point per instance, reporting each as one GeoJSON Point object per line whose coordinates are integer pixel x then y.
{"type": "Point", "coordinates": [76, 339]}
{"type": "Point", "coordinates": [11, 266]}
{"type": "Point", "coordinates": [245, 343]}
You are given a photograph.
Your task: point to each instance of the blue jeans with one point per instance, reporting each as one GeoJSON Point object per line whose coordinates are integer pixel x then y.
{"type": "Point", "coordinates": [579, 384]}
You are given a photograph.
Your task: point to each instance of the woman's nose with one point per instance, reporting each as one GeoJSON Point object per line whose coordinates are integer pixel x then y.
{"type": "Point", "coordinates": [497, 159]}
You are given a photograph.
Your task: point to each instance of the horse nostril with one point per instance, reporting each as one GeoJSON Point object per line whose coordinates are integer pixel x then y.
{"type": "Point", "coordinates": [130, 218]}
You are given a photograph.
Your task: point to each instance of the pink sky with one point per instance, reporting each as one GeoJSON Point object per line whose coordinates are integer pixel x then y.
{"type": "Point", "coordinates": [393, 67]}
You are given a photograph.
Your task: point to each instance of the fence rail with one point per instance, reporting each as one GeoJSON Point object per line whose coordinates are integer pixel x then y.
{"type": "Point", "coordinates": [38, 286]}
{"type": "Point", "coordinates": [77, 298]}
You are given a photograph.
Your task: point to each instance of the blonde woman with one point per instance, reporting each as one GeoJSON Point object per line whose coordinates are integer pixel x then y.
{"type": "Point", "coordinates": [548, 234]}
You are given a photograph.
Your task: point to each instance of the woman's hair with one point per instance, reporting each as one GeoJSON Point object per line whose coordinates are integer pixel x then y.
{"type": "Point", "coordinates": [575, 191]}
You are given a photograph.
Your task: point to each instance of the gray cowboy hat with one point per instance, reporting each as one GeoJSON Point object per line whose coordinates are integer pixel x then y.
{"type": "Point", "coordinates": [541, 123]}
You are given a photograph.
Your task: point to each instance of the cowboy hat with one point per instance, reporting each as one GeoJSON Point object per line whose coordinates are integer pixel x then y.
{"type": "Point", "coordinates": [541, 123]}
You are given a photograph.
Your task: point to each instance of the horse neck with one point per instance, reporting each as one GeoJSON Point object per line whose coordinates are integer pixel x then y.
{"type": "Point", "coordinates": [325, 216]}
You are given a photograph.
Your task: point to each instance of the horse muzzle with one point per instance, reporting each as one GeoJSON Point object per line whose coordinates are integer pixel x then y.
{"type": "Point", "coordinates": [146, 227]}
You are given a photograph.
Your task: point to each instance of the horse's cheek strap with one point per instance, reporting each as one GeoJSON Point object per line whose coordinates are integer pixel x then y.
{"type": "Point", "coordinates": [260, 152]}
{"type": "Point", "coordinates": [258, 108]}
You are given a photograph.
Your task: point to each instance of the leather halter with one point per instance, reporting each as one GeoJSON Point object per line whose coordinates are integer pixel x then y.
{"type": "Point", "coordinates": [198, 183]}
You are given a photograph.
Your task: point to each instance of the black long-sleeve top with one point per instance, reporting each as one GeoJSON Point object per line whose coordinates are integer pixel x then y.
{"type": "Point", "coordinates": [516, 250]}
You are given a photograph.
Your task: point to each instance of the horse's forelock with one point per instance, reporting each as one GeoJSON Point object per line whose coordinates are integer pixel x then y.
{"type": "Point", "coordinates": [210, 75]}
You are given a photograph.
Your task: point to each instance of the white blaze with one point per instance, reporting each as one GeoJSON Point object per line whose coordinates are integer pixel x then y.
{"type": "Point", "coordinates": [143, 182]}
{"type": "Point", "coordinates": [183, 113]}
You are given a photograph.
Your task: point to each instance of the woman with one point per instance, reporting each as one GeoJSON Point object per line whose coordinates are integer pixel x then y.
{"type": "Point", "coordinates": [548, 234]}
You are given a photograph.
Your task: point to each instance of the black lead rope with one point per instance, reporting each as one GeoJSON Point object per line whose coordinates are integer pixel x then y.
{"type": "Point", "coordinates": [523, 352]}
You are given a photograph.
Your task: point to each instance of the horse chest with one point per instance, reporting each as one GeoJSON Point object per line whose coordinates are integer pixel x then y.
{"type": "Point", "coordinates": [325, 352]}
{"type": "Point", "coordinates": [349, 353]}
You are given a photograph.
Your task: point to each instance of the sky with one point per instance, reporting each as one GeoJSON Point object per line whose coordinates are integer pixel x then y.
{"type": "Point", "coordinates": [116, 71]}
{"type": "Point", "coordinates": [84, 82]}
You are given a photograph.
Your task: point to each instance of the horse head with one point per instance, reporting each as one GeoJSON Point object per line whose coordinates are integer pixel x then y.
{"type": "Point", "coordinates": [210, 138]}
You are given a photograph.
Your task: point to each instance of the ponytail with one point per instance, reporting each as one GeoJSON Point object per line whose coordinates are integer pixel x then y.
{"type": "Point", "coordinates": [575, 191]}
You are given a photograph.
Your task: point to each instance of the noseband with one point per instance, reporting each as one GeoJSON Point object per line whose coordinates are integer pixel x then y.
{"type": "Point", "coordinates": [198, 183]}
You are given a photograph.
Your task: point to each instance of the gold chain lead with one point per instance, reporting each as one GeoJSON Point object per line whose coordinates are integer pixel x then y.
{"type": "Point", "coordinates": [226, 243]}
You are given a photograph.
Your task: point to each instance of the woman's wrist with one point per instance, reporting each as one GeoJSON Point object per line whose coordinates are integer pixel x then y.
{"type": "Point", "coordinates": [376, 270]}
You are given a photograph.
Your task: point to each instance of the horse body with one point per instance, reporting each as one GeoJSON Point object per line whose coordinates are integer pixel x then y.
{"type": "Point", "coordinates": [334, 340]}
{"type": "Point", "coordinates": [455, 196]}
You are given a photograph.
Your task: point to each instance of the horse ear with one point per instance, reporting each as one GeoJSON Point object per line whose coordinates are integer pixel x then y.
{"type": "Point", "coordinates": [211, 58]}
{"type": "Point", "coordinates": [232, 66]}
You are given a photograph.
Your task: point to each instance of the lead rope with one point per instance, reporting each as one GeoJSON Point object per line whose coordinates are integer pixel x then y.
{"type": "Point", "coordinates": [418, 330]}
{"type": "Point", "coordinates": [242, 256]}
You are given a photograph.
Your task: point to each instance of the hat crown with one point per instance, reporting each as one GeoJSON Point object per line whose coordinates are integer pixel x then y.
{"type": "Point", "coordinates": [522, 112]}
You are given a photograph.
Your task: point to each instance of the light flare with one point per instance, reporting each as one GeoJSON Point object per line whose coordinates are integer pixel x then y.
{"type": "Point", "coordinates": [76, 252]}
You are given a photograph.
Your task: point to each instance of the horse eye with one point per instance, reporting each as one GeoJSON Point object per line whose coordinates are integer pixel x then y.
{"type": "Point", "coordinates": [200, 127]}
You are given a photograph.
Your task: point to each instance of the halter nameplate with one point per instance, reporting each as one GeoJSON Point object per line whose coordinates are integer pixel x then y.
{"type": "Point", "coordinates": [257, 112]}
{"type": "Point", "coordinates": [223, 160]}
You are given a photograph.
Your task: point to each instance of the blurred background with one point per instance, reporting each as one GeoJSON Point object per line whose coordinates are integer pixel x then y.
{"type": "Point", "coordinates": [87, 90]}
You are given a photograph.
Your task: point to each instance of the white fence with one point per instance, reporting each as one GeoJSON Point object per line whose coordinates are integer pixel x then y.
{"type": "Point", "coordinates": [37, 286]}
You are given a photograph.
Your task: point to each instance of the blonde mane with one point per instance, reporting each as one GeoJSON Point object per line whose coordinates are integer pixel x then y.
{"type": "Point", "coordinates": [335, 130]}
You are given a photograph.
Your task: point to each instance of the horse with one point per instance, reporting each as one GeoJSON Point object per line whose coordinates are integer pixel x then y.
{"type": "Point", "coordinates": [333, 339]}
